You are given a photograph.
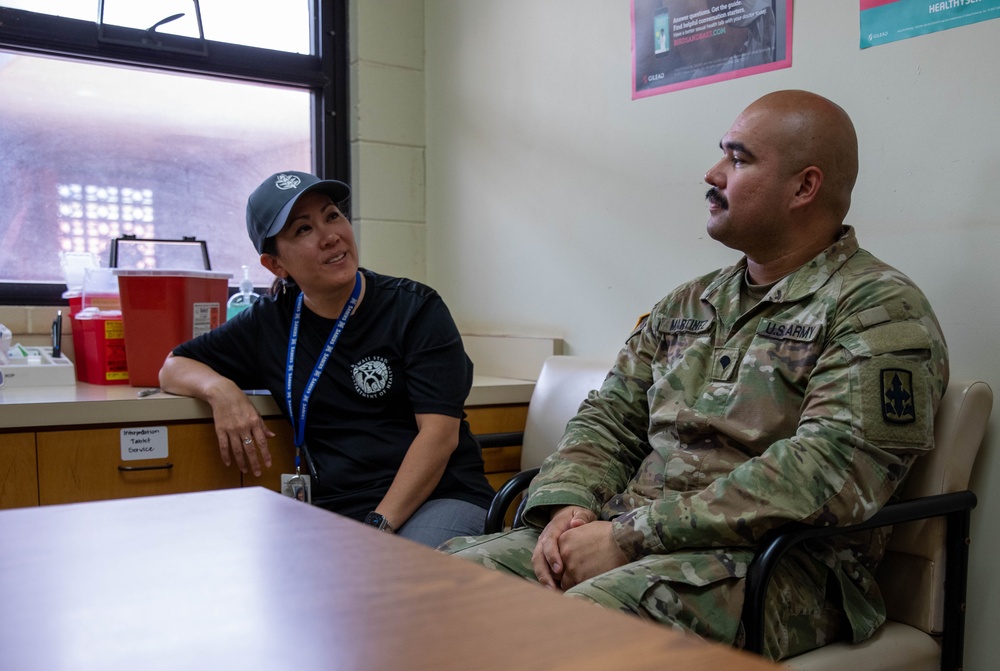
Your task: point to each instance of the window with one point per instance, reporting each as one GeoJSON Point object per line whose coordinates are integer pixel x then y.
{"type": "Point", "coordinates": [156, 134]}
{"type": "Point", "coordinates": [253, 23]}
{"type": "Point", "coordinates": [90, 215]}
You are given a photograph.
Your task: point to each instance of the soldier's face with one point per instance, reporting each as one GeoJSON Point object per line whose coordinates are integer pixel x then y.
{"type": "Point", "coordinates": [750, 187]}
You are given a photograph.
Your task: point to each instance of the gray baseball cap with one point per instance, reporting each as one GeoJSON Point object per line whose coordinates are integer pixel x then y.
{"type": "Point", "coordinates": [270, 204]}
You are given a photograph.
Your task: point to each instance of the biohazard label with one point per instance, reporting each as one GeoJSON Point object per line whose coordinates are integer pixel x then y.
{"type": "Point", "coordinates": [204, 318]}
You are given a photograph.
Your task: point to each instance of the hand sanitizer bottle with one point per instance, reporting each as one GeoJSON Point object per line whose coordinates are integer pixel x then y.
{"type": "Point", "coordinates": [244, 299]}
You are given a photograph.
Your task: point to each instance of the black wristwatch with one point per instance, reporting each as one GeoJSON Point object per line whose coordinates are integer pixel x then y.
{"type": "Point", "coordinates": [378, 521]}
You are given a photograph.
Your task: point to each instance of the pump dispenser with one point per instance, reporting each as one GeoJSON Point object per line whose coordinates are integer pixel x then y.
{"type": "Point", "coordinates": [244, 299]}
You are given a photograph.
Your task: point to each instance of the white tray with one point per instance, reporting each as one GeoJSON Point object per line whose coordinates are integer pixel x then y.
{"type": "Point", "coordinates": [38, 369]}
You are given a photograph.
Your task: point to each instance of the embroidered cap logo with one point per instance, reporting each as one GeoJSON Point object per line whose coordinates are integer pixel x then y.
{"type": "Point", "coordinates": [285, 182]}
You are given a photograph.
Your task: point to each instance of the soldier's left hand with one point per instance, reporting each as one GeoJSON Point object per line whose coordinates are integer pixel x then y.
{"type": "Point", "coordinates": [545, 558]}
{"type": "Point", "coordinates": [588, 550]}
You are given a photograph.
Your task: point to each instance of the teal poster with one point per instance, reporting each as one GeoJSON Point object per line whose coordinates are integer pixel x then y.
{"type": "Point", "coordinates": [884, 21]}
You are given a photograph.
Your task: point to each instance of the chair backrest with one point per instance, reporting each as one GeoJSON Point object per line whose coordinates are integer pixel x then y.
{"type": "Point", "coordinates": [911, 576]}
{"type": "Point", "coordinates": [562, 386]}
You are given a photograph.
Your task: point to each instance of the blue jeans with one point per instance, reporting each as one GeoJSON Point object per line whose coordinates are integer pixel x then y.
{"type": "Point", "coordinates": [439, 520]}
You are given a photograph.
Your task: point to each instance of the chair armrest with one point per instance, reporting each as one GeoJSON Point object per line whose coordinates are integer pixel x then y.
{"type": "Point", "coordinates": [954, 505]}
{"type": "Point", "coordinates": [501, 502]}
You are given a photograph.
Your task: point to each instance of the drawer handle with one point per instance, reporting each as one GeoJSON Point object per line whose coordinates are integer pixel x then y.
{"type": "Point", "coordinates": [159, 467]}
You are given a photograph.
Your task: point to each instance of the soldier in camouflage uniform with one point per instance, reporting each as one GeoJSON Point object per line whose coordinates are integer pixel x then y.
{"type": "Point", "coordinates": [797, 386]}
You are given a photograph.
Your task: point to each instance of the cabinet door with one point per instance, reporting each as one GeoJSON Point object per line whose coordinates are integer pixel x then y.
{"type": "Point", "coordinates": [500, 463]}
{"type": "Point", "coordinates": [18, 471]}
{"type": "Point", "coordinates": [86, 465]}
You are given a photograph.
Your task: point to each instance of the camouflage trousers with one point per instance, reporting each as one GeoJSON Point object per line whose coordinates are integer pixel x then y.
{"type": "Point", "coordinates": [695, 591]}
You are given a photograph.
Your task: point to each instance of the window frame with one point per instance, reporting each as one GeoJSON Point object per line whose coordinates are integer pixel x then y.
{"type": "Point", "coordinates": [324, 74]}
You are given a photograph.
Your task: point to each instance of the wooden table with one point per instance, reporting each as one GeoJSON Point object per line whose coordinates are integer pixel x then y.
{"type": "Point", "coordinates": [247, 579]}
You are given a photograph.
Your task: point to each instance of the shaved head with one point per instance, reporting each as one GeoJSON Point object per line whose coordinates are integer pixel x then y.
{"type": "Point", "coordinates": [813, 131]}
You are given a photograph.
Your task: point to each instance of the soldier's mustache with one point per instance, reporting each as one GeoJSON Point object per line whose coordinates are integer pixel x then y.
{"type": "Point", "coordinates": [717, 198]}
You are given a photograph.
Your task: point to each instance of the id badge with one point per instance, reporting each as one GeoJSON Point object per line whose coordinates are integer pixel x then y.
{"type": "Point", "coordinates": [297, 486]}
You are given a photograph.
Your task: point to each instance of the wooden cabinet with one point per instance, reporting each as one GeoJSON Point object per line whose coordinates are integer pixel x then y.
{"type": "Point", "coordinates": [501, 462]}
{"type": "Point", "coordinates": [86, 465]}
{"type": "Point", "coordinates": [71, 465]}
{"type": "Point", "coordinates": [18, 470]}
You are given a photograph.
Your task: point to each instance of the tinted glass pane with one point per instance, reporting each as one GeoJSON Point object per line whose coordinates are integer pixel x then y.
{"type": "Point", "coordinates": [93, 152]}
{"type": "Point", "coordinates": [283, 25]}
{"type": "Point", "coordinates": [85, 10]}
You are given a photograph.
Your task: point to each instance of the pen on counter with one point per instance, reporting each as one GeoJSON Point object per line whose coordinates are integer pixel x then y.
{"type": "Point", "coordinates": [57, 335]}
{"type": "Point", "coordinates": [148, 392]}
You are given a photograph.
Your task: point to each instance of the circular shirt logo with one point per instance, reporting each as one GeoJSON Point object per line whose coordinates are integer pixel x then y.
{"type": "Point", "coordinates": [372, 376]}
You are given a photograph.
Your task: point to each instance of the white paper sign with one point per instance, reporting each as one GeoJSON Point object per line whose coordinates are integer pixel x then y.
{"type": "Point", "coordinates": [148, 442]}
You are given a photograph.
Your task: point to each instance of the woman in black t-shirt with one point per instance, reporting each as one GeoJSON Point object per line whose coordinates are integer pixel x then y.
{"type": "Point", "coordinates": [378, 375]}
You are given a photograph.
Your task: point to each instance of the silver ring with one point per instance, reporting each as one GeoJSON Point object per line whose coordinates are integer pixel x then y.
{"type": "Point", "coordinates": [247, 441]}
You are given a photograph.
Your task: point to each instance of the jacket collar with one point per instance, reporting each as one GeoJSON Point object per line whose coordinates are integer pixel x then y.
{"type": "Point", "coordinates": [800, 283]}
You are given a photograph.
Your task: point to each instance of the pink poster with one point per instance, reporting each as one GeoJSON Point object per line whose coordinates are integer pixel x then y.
{"type": "Point", "coordinates": [678, 44]}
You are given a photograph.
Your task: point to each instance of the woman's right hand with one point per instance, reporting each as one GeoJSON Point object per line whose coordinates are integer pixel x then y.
{"type": "Point", "coordinates": [241, 432]}
{"type": "Point", "coordinates": [239, 428]}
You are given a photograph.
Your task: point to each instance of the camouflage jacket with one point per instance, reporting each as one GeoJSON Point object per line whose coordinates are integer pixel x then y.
{"type": "Point", "coordinates": [714, 426]}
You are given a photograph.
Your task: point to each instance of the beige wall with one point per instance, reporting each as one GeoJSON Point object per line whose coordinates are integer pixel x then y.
{"type": "Point", "coordinates": [387, 135]}
{"type": "Point", "coordinates": [32, 326]}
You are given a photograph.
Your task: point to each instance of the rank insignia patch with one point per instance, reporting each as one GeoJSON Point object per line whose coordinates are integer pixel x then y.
{"type": "Point", "coordinates": [897, 396]}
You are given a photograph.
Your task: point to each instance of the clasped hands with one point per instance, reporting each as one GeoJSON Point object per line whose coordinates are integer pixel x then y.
{"type": "Point", "coordinates": [574, 546]}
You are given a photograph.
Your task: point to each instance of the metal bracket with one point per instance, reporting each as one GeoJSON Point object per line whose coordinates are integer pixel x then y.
{"type": "Point", "coordinates": [149, 38]}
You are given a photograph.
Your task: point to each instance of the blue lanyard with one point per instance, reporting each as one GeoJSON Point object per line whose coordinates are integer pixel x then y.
{"type": "Point", "coordinates": [299, 427]}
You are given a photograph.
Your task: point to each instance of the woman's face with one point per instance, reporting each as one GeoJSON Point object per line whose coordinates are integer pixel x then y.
{"type": "Point", "coordinates": [316, 247]}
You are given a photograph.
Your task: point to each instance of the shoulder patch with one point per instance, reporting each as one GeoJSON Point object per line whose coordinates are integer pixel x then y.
{"type": "Point", "coordinates": [897, 396]}
{"type": "Point", "coordinates": [896, 405]}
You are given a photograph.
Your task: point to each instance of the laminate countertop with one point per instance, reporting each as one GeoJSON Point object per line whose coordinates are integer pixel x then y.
{"type": "Point", "coordinates": [90, 404]}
